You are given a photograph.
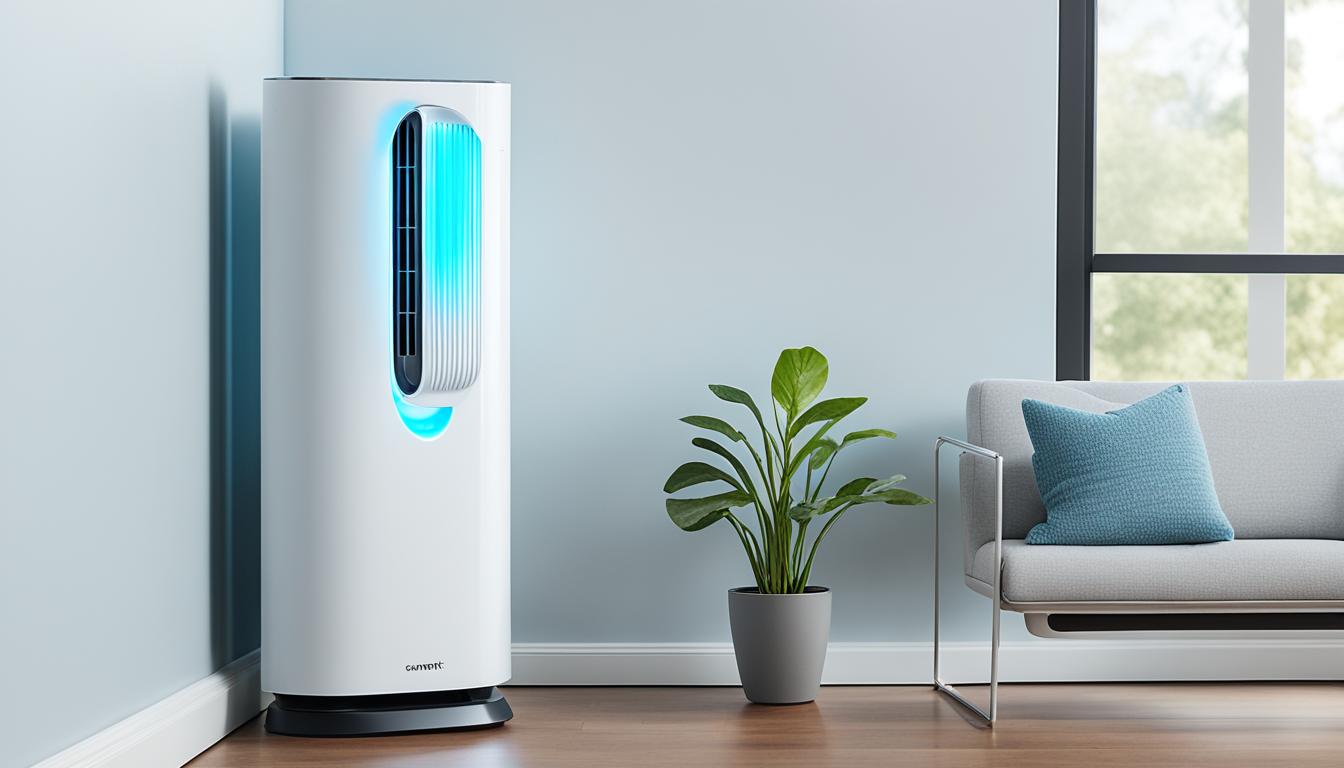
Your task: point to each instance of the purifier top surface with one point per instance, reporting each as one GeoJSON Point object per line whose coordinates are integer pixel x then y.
{"type": "Point", "coordinates": [390, 80]}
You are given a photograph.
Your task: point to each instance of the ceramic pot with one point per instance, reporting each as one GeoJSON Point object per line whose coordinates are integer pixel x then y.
{"type": "Point", "coordinates": [780, 643]}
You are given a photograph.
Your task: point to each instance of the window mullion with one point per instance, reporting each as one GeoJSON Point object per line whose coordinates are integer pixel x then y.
{"type": "Point", "coordinates": [1265, 133]}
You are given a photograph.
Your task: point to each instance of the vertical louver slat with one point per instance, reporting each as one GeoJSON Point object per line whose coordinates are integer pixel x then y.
{"type": "Point", "coordinates": [406, 253]}
{"type": "Point", "coordinates": [399, 221]}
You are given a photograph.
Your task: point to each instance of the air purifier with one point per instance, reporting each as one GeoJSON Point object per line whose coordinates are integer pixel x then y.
{"type": "Point", "coordinates": [385, 404]}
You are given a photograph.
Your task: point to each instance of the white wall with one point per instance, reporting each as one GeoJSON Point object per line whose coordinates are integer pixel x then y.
{"type": "Point", "coordinates": [128, 185]}
{"type": "Point", "coordinates": [700, 183]}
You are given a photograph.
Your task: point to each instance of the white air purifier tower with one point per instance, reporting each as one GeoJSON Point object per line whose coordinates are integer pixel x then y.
{"type": "Point", "coordinates": [385, 404]}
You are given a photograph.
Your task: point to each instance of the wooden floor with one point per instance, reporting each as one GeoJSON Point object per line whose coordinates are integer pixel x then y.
{"type": "Point", "coordinates": [1147, 725]}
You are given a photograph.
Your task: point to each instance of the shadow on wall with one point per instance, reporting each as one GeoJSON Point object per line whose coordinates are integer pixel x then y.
{"type": "Point", "coordinates": [235, 380]}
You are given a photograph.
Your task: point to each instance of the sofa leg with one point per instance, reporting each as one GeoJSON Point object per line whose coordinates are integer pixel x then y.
{"type": "Point", "coordinates": [991, 715]}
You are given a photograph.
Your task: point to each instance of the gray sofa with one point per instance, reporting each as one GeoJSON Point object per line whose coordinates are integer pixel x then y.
{"type": "Point", "coordinates": [1277, 452]}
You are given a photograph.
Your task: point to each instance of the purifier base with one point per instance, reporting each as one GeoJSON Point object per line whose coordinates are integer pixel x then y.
{"type": "Point", "coordinates": [386, 713]}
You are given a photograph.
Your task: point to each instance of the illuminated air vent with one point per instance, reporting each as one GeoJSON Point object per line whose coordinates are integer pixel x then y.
{"type": "Point", "coordinates": [407, 266]}
{"type": "Point", "coordinates": [436, 256]}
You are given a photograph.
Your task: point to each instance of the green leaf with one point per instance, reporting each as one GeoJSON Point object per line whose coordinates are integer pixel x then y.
{"type": "Point", "coordinates": [896, 497]}
{"type": "Point", "coordinates": [695, 514]}
{"type": "Point", "coordinates": [811, 445]}
{"type": "Point", "coordinates": [885, 485]}
{"type": "Point", "coordinates": [800, 375]}
{"type": "Point", "coordinates": [827, 505]}
{"type": "Point", "coordinates": [827, 410]}
{"type": "Point", "coordinates": [824, 451]}
{"type": "Point", "coordinates": [860, 491]}
{"type": "Point", "coordinates": [828, 447]}
{"type": "Point", "coordinates": [849, 493]}
{"type": "Point", "coordinates": [715, 425]}
{"type": "Point", "coordinates": [804, 511]}
{"type": "Point", "coordinates": [713, 447]}
{"type": "Point", "coordinates": [695, 473]}
{"type": "Point", "coordinates": [699, 524]}
{"type": "Point", "coordinates": [832, 409]}
{"type": "Point", "coordinates": [865, 434]}
{"type": "Point", "coordinates": [856, 486]}
{"type": "Point", "coordinates": [735, 395]}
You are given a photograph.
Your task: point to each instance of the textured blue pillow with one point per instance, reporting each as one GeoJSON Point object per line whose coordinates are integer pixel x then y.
{"type": "Point", "coordinates": [1138, 475]}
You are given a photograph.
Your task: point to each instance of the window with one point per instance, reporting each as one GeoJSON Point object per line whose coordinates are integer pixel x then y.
{"type": "Point", "coordinates": [1201, 189]}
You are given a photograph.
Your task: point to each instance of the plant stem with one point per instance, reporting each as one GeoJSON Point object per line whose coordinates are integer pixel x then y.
{"type": "Point", "coordinates": [755, 545]}
{"type": "Point", "coordinates": [761, 518]}
{"type": "Point", "coordinates": [824, 473]}
{"type": "Point", "coordinates": [784, 532]}
{"type": "Point", "coordinates": [798, 554]}
{"type": "Point", "coordinates": [768, 528]}
{"type": "Point", "coordinates": [807, 569]}
{"type": "Point", "coordinates": [742, 534]}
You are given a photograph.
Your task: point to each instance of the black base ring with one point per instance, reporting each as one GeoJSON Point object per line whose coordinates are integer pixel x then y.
{"type": "Point", "coordinates": [386, 713]}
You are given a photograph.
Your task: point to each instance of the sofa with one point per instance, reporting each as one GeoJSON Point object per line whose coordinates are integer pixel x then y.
{"type": "Point", "coordinates": [1277, 454]}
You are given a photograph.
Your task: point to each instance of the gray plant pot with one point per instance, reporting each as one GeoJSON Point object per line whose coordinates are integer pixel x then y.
{"type": "Point", "coordinates": [780, 643]}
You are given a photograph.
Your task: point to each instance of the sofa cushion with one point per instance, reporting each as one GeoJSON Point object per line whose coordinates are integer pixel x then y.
{"type": "Point", "coordinates": [1245, 569]}
{"type": "Point", "coordinates": [1133, 475]}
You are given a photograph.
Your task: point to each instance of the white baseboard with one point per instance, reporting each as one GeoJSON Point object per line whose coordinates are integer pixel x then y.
{"type": "Point", "coordinates": [180, 727]}
{"type": "Point", "coordinates": [911, 663]}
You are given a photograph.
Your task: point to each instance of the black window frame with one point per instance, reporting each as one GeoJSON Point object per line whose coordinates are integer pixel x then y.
{"type": "Point", "coordinates": [1076, 259]}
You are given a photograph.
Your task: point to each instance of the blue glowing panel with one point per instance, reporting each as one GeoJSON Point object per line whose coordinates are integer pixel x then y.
{"type": "Point", "coordinates": [424, 423]}
{"type": "Point", "coordinates": [452, 256]}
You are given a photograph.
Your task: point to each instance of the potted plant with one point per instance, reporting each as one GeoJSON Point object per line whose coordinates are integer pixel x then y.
{"type": "Point", "coordinates": [780, 626]}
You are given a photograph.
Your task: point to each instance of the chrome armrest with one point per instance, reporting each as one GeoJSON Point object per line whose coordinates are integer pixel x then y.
{"type": "Point", "coordinates": [992, 714]}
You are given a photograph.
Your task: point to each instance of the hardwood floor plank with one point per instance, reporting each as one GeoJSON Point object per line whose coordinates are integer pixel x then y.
{"type": "Point", "coordinates": [1226, 725]}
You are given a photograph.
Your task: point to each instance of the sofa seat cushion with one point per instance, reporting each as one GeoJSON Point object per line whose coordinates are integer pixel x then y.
{"type": "Point", "coordinates": [1244, 569]}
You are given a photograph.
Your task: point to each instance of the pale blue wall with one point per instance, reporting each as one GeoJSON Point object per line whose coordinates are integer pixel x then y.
{"type": "Point", "coordinates": [128, 514]}
{"type": "Point", "coordinates": [696, 184]}
{"type": "Point", "coordinates": [699, 183]}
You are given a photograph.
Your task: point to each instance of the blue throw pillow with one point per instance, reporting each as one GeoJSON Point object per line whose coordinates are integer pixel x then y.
{"type": "Point", "coordinates": [1138, 475]}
